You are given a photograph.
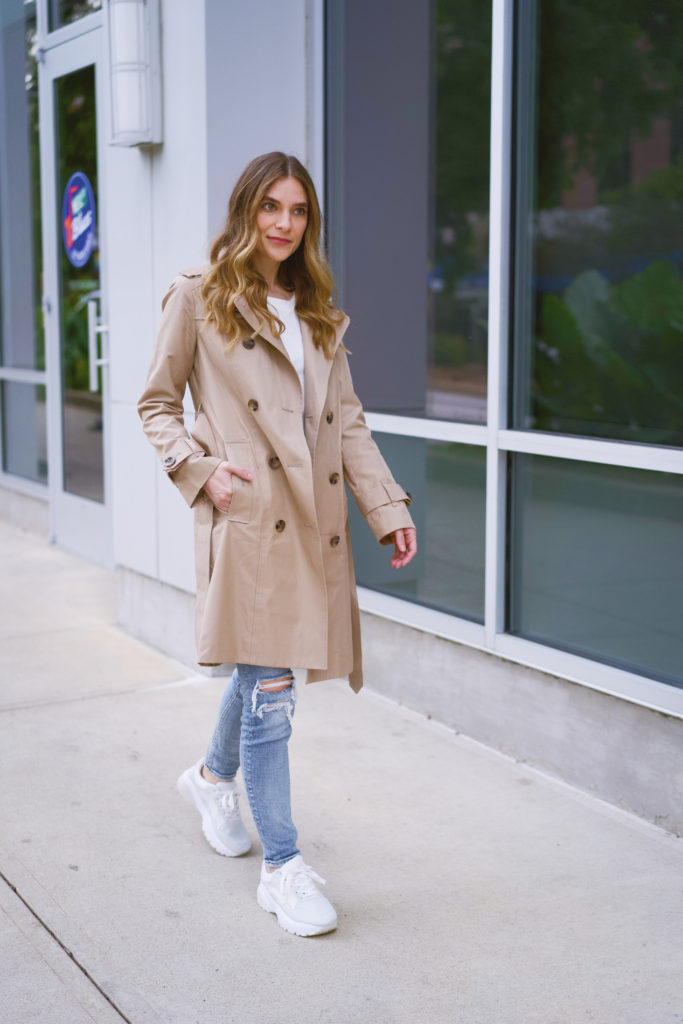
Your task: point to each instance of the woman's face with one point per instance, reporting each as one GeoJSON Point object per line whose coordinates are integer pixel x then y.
{"type": "Point", "coordinates": [282, 219]}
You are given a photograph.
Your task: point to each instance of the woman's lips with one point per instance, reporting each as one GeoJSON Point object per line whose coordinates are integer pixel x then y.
{"type": "Point", "coordinates": [278, 241]}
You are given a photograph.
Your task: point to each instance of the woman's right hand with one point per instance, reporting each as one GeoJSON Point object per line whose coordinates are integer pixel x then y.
{"type": "Point", "coordinates": [219, 485]}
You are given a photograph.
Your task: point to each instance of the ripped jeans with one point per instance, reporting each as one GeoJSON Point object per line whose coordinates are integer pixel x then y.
{"type": "Point", "coordinates": [253, 729]}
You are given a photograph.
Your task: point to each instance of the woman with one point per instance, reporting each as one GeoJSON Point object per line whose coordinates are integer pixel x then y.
{"type": "Point", "coordinates": [278, 429]}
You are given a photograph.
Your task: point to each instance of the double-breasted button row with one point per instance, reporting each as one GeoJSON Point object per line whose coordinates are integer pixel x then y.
{"type": "Point", "coordinates": [280, 525]}
{"type": "Point", "coordinates": [253, 404]}
{"type": "Point", "coordinates": [249, 342]}
{"type": "Point", "coordinates": [274, 462]}
{"type": "Point", "coordinates": [330, 417]}
{"type": "Point", "coordinates": [334, 541]}
{"type": "Point", "coordinates": [334, 478]}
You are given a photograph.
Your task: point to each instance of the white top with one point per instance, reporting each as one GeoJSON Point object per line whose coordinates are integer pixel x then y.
{"type": "Point", "coordinates": [291, 336]}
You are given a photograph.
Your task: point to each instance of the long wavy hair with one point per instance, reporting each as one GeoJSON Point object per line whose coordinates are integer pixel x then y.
{"type": "Point", "coordinates": [232, 272]}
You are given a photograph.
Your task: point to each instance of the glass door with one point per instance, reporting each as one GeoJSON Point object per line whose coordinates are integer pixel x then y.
{"type": "Point", "coordinates": [72, 98]}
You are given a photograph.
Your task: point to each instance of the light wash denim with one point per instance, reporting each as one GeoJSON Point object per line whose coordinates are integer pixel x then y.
{"type": "Point", "coordinates": [253, 730]}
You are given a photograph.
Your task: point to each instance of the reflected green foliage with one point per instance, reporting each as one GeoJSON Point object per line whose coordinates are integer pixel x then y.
{"type": "Point", "coordinates": [606, 71]}
{"type": "Point", "coordinates": [463, 84]}
{"type": "Point", "coordinates": [67, 11]}
{"type": "Point", "coordinates": [454, 350]}
{"type": "Point", "coordinates": [461, 139]}
{"type": "Point", "coordinates": [608, 361]}
{"type": "Point", "coordinates": [75, 322]}
{"type": "Point", "coordinates": [607, 163]}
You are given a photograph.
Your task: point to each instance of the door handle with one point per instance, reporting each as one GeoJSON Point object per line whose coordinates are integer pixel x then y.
{"type": "Point", "coordinates": [95, 327]}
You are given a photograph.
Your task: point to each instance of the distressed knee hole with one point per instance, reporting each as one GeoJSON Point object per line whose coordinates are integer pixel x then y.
{"type": "Point", "coordinates": [280, 684]}
{"type": "Point", "coordinates": [275, 685]}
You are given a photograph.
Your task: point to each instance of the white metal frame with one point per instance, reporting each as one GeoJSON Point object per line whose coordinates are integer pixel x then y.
{"type": "Point", "coordinates": [77, 523]}
{"type": "Point", "coordinates": [498, 440]}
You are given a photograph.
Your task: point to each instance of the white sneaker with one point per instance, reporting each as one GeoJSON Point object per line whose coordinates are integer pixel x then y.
{"type": "Point", "coordinates": [291, 893]}
{"type": "Point", "coordinates": [218, 804]}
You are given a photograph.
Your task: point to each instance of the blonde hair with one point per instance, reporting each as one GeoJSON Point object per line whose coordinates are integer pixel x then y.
{"type": "Point", "coordinates": [306, 271]}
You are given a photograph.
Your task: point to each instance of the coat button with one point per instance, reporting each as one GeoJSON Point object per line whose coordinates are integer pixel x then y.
{"type": "Point", "coordinates": [280, 525]}
{"type": "Point", "coordinates": [334, 541]}
{"type": "Point", "coordinates": [330, 417]}
{"type": "Point", "coordinates": [274, 462]}
{"type": "Point", "coordinates": [334, 478]}
{"type": "Point", "coordinates": [248, 342]}
{"type": "Point", "coordinates": [169, 460]}
{"type": "Point", "coordinates": [253, 404]}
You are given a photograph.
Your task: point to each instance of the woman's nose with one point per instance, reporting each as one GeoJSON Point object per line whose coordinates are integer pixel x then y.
{"type": "Point", "coordinates": [284, 220]}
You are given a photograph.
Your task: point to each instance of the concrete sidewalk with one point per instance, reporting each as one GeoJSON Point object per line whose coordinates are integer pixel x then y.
{"type": "Point", "coordinates": [470, 889]}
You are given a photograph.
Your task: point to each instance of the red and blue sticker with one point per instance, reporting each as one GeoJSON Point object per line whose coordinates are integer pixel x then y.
{"type": "Point", "coordinates": [78, 219]}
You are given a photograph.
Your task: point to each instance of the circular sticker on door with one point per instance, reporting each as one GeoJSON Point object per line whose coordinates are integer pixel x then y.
{"type": "Point", "coordinates": [78, 219]}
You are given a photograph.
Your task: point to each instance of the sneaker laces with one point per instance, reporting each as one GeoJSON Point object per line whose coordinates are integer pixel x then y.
{"type": "Point", "coordinates": [228, 801]}
{"type": "Point", "coordinates": [299, 881]}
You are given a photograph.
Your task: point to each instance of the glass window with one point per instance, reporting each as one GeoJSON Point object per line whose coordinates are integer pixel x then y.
{"type": "Point", "coordinates": [598, 310]}
{"type": "Point", "coordinates": [79, 280]}
{"type": "Point", "coordinates": [447, 482]}
{"type": "Point", "coordinates": [63, 12]}
{"type": "Point", "coordinates": [597, 562]}
{"type": "Point", "coordinates": [21, 321]}
{"type": "Point", "coordinates": [408, 120]}
{"type": "Point", "coordinates": [24, 430]}
{"type": "Point", "coordinates": [458, 275]}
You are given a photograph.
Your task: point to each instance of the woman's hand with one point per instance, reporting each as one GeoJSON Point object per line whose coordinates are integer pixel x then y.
{"type": "Point", "coordinates": [219, 485]}
{"type": "Point", "coordinates": [405, 547]}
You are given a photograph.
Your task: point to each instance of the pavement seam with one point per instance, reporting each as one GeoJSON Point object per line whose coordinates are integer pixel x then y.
{"type": "Point", "coordinates": [49, 702]}
{"type": "Point", "coordinates": [65, 949]}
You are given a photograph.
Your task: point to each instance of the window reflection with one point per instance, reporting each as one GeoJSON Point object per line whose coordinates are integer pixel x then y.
{"type": "Point", "coordinates": [599, 219]}
{"type": "Point", "coordinates": [407, 192]}
{"type": "Point", "coordinates": [24, 430]}
{"type": "Point", "coordinates": [63, 12]}
{"type": "Point", "coordinates": [447, 483]}
{"type": "Point", "coordinates": [597, 562]}
{"type": "Point", "coordinates": [21, 324]}
{"type": "Point", "coordinates": [458, 278]}
{"type": "Point", "coordinates": [81, 408]}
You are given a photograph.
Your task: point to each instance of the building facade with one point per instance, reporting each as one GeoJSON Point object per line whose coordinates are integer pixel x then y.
{"type": "Point", "coordinates": [504, 214]}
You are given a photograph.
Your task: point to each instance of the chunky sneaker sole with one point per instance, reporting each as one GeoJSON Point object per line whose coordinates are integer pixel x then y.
{"type": "Point", "coordinates": [265, 900]}
{"type": "Point", "coordinates": [202, 800]}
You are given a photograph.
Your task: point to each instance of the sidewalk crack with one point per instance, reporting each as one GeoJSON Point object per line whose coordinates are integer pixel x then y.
{"type": "Point", "coordinates": [65, 949]}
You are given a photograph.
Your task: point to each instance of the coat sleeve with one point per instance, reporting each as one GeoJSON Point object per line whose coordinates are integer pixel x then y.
{"type": "Point", "coordinates": [161, 404]}
{"type": "Point", "coordinates": [381, 500]}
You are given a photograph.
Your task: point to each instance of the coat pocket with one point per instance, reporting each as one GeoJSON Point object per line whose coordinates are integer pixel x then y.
{"type": "Point", "coordinates": [241, 453]}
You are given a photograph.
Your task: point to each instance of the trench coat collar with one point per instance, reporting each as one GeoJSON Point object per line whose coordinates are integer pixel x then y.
{"type": "Point", "coordinates": [316, 365]}
{"type": "Point", "coordinates": [261, 327]}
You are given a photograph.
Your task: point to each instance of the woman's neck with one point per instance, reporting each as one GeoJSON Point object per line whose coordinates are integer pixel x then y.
{"type": "Point", "coordinates": [269, 269]}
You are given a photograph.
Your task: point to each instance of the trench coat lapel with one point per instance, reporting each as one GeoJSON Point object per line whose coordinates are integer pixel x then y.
{"type": "Point", "coordinates": [316, 366]}
{"type": "Point", "coordinates": [317, 374]}
{"type": "Point", "coordinates": [261, 328]}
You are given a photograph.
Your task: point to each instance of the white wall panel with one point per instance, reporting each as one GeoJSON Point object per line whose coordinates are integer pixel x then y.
{"type": "Point", "coordinates": [130, 283]}
{"type": "Point", "coordinates": [256, 82]}
{"type": "Point", "coordinates": [134, 492]}
{"type": "Point", "coordinates": [175, 532]}
{"type": "Point", "coordinates": [179, 165]}
{"type": "Point", "coordinates": [157, 226]}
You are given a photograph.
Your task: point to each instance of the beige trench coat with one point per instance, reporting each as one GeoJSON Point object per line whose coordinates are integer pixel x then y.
{"type": "Point", "coordinates": [275, 580]}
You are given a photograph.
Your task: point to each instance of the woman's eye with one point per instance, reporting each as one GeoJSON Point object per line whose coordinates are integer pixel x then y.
{"type": "Point", "coordinates": [269, 206]}
{"type": "Point", "coordinates": [301, 210]}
